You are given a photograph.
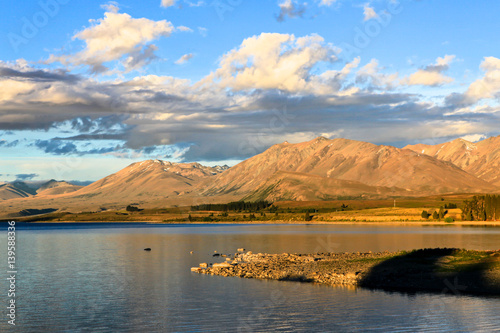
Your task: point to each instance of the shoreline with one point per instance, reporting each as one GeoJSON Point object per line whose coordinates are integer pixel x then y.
{"type": "Point", "coordinates": [284, 222]}
{"type": "Point", "coordinates": [447, 271]}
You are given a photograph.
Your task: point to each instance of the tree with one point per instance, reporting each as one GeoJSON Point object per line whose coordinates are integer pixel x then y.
{"type": "Point", "coordinates": [435, 215]}
{"type": "Point", "coordinates": [469, 216]}
{"type": "Point", "coordinates": [307, 217]}
{"type": "Point", "coordinates": [424, 214]}
{"type": "Point", "coordinates": [190, 218]}
{"type": "Point", "coordinates": [442, 212]}
{"type": "Point", "coordinates": [131, 208]}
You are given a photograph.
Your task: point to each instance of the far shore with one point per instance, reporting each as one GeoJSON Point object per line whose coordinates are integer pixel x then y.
{"type": "Point", "coordinates": [279, 222]}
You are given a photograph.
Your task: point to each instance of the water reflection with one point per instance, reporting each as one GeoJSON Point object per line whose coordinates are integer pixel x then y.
{"type": "Point", "coordinates": [102, 280]}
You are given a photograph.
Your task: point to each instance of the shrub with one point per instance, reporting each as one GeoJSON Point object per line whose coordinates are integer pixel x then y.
{"type": "Point", "coordinates": [449, 219]}
{"type": "Point", "coordinates": [425, 215]}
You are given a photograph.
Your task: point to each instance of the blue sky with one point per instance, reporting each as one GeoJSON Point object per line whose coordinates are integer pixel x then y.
{"type": "Point", "coordinates": [87, 88]}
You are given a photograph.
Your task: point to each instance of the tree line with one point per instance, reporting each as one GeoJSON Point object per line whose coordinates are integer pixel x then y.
{"type": "Point", "coordinates": [233, 206]}
{"type": "Point", "coordinates": [481, 208]}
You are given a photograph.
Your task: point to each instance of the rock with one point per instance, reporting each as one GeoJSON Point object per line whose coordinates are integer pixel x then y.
{"type": "Point", "coordinates": [249, 253]}
{"type": "Point", "coordinates": [203, 265]}
{"type": "Point", "coordinates": [221, 265]}
{"type": "Point", "coordinates": [191, 252]}
{"type": "Point", "coordinates": [147, 249]}
{"type": "Point", "coordinates": [215, 255]}
{"type": "Point", "coordinates": [195, 269]}
{"type": "Point", "coordinates": [241, 249]}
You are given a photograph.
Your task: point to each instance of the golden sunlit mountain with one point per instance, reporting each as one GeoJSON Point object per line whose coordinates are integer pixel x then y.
{"type": "Point", "coordinates": [320, 169]}
{"type": "Point", "coordinates": [150, 179]}
{"type": "Point", "coordinates": [481, 159]}
{"type": "Point", "coordinates": [397, 171]}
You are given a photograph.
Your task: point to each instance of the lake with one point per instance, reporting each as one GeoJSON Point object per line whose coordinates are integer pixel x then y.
{"type": "Point", "coordinates": [98, 278]}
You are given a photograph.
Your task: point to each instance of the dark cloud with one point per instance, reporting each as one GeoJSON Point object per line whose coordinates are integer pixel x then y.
{"type": "Point", "coordinates": [7, 144]}
{"type": "Point", "coordinates": [92, 137]}
{"type": "Point", "coordinates": [60, 147]}
{"type": "Point", "coordinates": [98, 125]}
{"type": "Point", "coordinates": [26, 176]}
{"type": "Point", "coordinates": [80, 182]}
{"type": "Point", "coordinates": [39, 75]}
{"type": "Point", "coordinates": [56, 147]}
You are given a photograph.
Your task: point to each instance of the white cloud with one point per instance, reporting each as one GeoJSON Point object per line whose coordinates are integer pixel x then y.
{"type": "Point", "coordinates": [431, 75]}
{"type": "Point", "coordinates": [489, 85]}
{"type": "Point", "coordinates": [372, 73]}
{"type": "Point", "coordinates": [185, 58]}
{"type": "Point", "coordinates": [116, 36]}
{"type": "Point", "coordinates": [274, 61]}
{"type": "Point", "coordinates": [291, 9]}
{"type": "Point", "coordinates": [167, 3]}
{"type": "Point", "coordinates": [184, 29]}
{"type": "Point", "coordinates": [368, 12]}
{"type": "Point", "coordinates": [426, 78]}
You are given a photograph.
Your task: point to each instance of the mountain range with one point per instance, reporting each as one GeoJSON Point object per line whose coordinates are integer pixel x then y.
{"type": "Point", "coordinates": [320, 169]}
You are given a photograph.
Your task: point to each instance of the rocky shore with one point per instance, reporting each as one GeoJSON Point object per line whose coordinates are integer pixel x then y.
{"type": "Point", "coordinates": [438, 270]}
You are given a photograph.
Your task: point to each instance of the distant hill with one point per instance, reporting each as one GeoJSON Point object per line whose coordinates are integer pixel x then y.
{"type": "Point", "coordinates": [21, 189]}
{"type": "Point", "coordinates": [481, 159]}
{"type": "Point", "coordinates": [54, 187]}
{"type": "Point", "coordinates": [15, 191]}
{"type": "Point", "coordinates": [150, 179]}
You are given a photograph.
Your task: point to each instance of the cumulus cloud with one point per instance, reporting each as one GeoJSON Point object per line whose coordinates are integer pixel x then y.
{"type": "Point", "coordinates": [275, 61]}
{"type": "Point", "coordinates": [488, 86]}
{"type": "Point", "coordinates": [291, 9]}
{"type": "Point", "coordinates": [372, 75]}
{"type": "Point", "coordinates": [431, 75]}
{"type": "Point", "coordinates": [185, 58]}
{"type": "Point", "coordinates": [115, 37]}
{"type": "Point", "coordinates": [368, 12]}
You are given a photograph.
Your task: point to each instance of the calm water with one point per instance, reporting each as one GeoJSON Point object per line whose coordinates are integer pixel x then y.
{"type": "Point", "coordinates": [92, 279]}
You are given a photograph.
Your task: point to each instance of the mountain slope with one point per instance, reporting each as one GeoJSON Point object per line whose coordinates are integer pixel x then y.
{"type": "Point", "coordinates": [297, 186]}
{"type": "Point", "coordinates": [149, 179]}
{"type": "Point", "coordinates": [342, 159]}
{"type": "Point", "coordinates": [54, 187]}
{"type": "Point", "coordinates": [481, 159]}
{"type": "Point", "coordinates": [11, 191]}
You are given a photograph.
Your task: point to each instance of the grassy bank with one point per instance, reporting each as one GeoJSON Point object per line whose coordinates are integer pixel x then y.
{"type": "Point", "coordinates": [452, 271]}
